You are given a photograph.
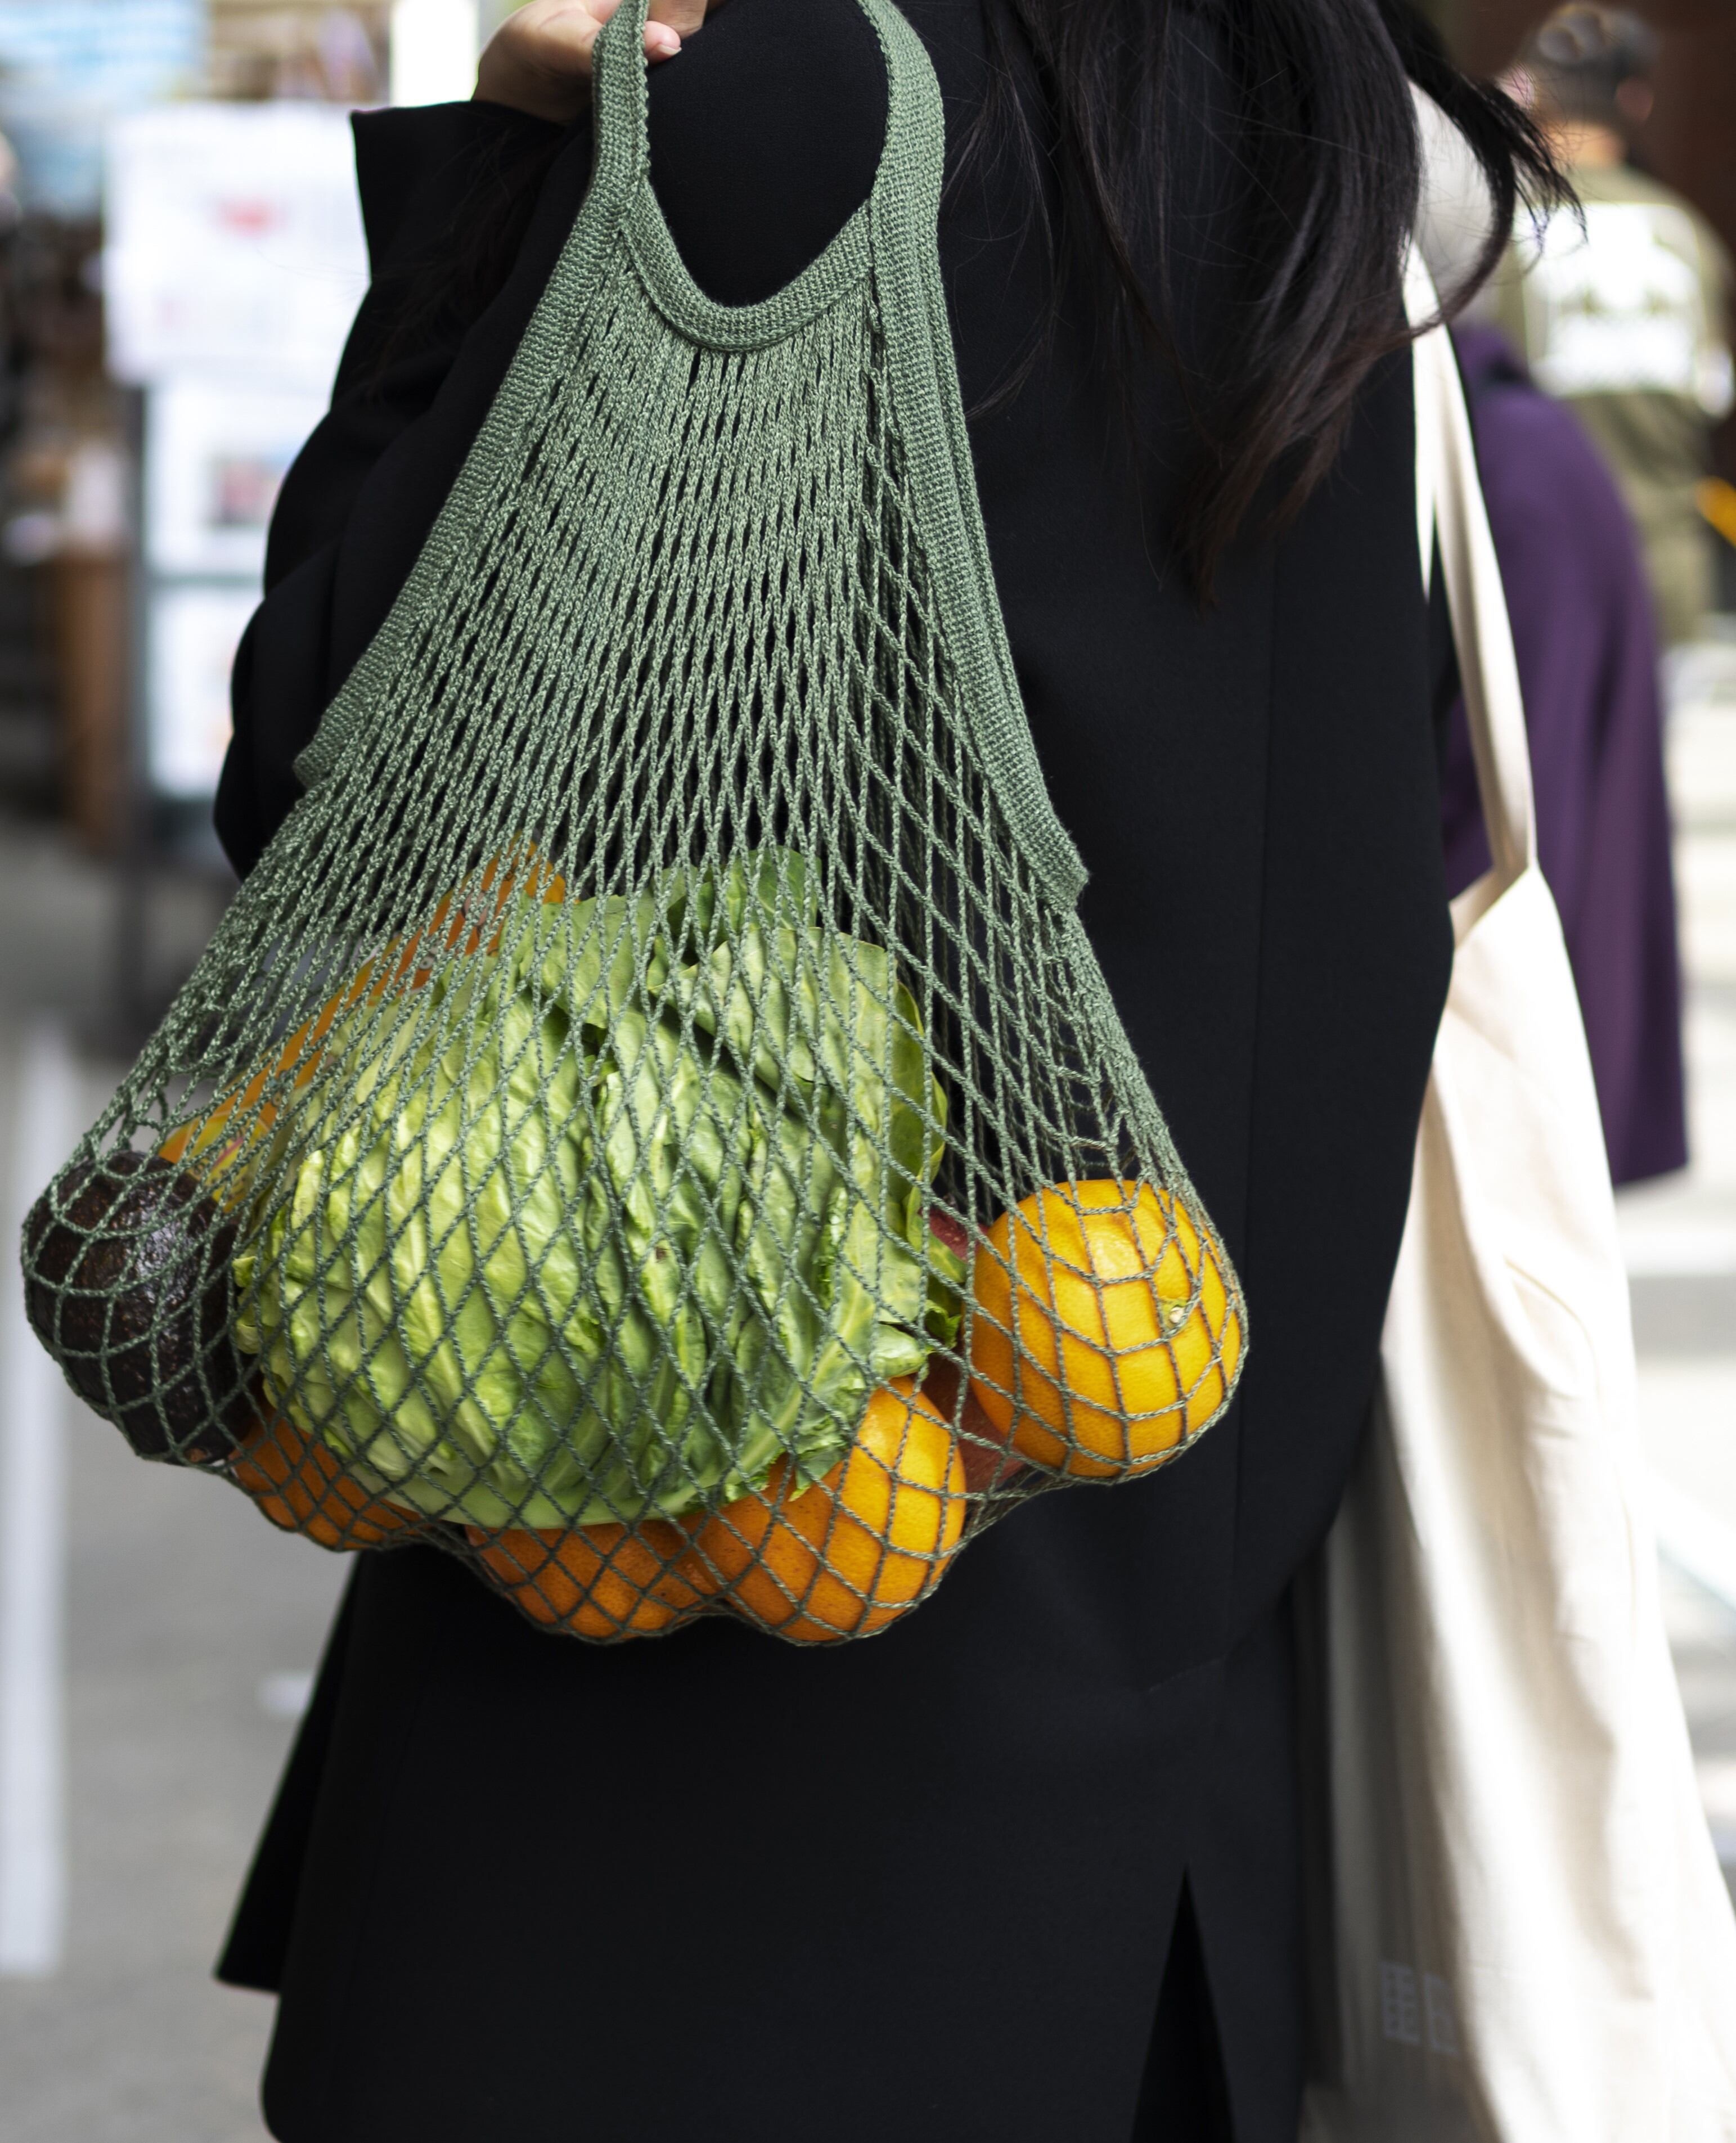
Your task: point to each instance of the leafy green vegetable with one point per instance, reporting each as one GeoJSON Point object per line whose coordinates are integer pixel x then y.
{"type": "Point", "coordinates": [605, 1221]}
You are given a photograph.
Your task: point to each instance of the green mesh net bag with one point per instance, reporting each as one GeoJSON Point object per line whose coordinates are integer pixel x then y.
{"type": "Point", "coordinates": [653, 1124]}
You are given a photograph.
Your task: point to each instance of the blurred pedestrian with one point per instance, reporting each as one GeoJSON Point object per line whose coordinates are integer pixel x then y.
{"type": "Point", "coordinates": [1587, 649]}
{"type": "Point", "coordinates": [1624, 316]}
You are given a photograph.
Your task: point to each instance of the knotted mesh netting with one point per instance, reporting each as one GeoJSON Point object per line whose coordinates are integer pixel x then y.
{"type": "Point", "coordinates": [652, 1123]}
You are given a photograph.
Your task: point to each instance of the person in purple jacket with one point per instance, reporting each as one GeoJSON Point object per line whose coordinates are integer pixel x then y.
{"type": "Point", "coordinates": [1588, 662]}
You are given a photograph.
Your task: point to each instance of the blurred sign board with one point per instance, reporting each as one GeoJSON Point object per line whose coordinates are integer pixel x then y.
{"type": "Point", "coordinates": [215, 452]}
{"type": "Point", "coordinates": [234, 243]}
{"type": "Point", "coordinates": [69, 67]}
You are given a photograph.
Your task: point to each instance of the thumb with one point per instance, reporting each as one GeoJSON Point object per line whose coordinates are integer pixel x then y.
{"type": "Point", "coordinates": [683, 16]}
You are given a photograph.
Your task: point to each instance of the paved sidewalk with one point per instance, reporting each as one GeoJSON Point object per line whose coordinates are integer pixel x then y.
{"type": "Point", "coordinates": [1680, 1237]}
{"type": "Point", "coordinates": [190, 1629]}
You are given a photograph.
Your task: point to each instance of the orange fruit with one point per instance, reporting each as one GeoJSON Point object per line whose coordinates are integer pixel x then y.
{"type": "Point", "coordinates": [302, 1487]}
{"type": "Point", "coordinates": [596, 1580]}
{"type": "Point", "coordinates": [850, 1554]}
{"type": "Point", "coordinates": [1103, 1337]}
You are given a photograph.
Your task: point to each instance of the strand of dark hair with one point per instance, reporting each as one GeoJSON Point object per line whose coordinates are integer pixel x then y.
{"type": "Point", "coordinates": [1329, 151]}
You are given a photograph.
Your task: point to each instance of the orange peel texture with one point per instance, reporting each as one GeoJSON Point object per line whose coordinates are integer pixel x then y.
{"type": "Point", "coordinates": [301, 1487]}
{"type": "Point", "coordinates": [599, 1582]}
{"type": "Point", "coordinates": [854, 1550]}
{"type": "Point", "coordinates": [1103, 1337]}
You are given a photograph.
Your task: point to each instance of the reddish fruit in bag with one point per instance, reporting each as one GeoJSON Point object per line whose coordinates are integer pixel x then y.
{"type": "Point", "coordinates": [1101, 1335]}
{"type": "Point", "coordinates": [851, 1553]}
{"type": "Point", "coordinates": [948, 1230]}
{"type": "Point", "coordinates": [989, 1460]}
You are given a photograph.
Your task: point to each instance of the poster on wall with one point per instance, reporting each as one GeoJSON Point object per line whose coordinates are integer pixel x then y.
{"type": "Point", "coordinates": [194, 632]}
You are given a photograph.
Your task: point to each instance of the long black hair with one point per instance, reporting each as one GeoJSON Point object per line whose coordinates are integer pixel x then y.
{"type": "Point", "coordinates": [1329, 152]}
{"type": "Point", "coordinates": [1328, 147]}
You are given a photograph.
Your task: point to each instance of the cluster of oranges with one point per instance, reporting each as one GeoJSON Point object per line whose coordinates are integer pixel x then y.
{"type": "Point", "coordinates": [1104, 1340]}
{"type": "Point", "coordinates": [838, 1559]}
{"type": "Point", "coordinates": [1103, 1337]}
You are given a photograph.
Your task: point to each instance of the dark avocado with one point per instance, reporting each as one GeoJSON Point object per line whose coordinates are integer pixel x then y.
{"type": "Point", "coordinates": [127, 1284]}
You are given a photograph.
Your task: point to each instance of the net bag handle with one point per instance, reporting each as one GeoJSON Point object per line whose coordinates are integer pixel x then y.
{"type": "Point", "coordinates": [893, 235]}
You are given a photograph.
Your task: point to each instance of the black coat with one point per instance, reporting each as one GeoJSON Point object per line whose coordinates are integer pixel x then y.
{"type": "Point", "coordinates": [921, 1887]}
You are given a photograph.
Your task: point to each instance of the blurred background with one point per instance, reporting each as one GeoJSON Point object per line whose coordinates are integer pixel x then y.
{"type": "Point", "coordinates": [180, 253]}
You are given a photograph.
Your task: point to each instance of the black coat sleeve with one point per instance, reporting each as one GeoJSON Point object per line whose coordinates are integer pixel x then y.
{"type": "Point", "coordinates": [421, 173]}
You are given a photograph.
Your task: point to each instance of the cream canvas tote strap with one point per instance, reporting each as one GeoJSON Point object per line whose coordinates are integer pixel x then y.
{"type": "Point", "coordinates": [1450, 510]}
{"type": "Point", "coordinates": [1521, 1933]}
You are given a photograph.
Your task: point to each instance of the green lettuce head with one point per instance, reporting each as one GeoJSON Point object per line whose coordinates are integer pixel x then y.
{"type": "Point", "coordinates": [605, 1220]}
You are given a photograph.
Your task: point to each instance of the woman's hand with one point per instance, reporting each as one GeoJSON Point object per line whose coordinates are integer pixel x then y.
{"type": "Point", "coordinates": [539, 60]}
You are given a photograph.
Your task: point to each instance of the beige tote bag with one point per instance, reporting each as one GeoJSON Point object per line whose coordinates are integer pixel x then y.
{"type": "Point", "coordinates": [1520, 1932]}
